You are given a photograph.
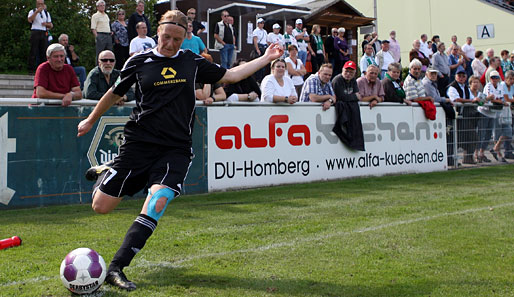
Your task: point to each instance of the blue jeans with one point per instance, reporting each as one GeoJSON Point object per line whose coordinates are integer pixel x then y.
{"type": "Point", "coordinates": [226, 55]}
{"type": "Point", "coordinates": [80, 71]}
{"type": "Point", "coordinates": [302, 56]}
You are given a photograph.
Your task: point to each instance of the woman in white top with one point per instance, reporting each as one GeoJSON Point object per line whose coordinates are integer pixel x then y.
{"type": "Point", "coordinates": [478, 67]}
{"type": "Point", "coordinates": [494, 93]}
{"type": "Point", "coordinates": [277, 87]}
{"type": "Point", "coordinates": [485, 120]}
{"type": "Point", "coordinates": [295, 68]}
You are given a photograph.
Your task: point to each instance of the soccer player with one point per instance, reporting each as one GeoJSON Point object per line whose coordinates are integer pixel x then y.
{"type": "Point", "coordinates": [157, 148]}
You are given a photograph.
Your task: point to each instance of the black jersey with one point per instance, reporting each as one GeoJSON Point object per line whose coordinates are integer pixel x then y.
{"type": "Point", "coordinates": [165, 110]}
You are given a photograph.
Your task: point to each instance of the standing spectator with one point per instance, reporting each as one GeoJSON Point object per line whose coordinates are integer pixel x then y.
{"type": "Point", "coordinates": [234, 31]}
{"type": "Point", "coordinates": [317, 87]}
{"type": "Point", "coordinates": [478, 67]}
{"type": "Point", "coordinates": [72, 59]}
{"type": "Point", "coordinates": [198, 28]}
{"type": "Point", "coordinates": [331, 52]}
{"type": "Point", "coordinates": [394, 47]}
{"type": "Point", "coordinates": [414, 89]}
{"type": "Point", "coordinates": [56, 80]}
{"type": "Point", "coordinates": [367, 59]}
{"type": "Point", "coordinates": [295, 68]}
{"type": "Point", "coordinates": [508, 95]}
{"type": "Point", "coordinates": [259, 43]}
{"type": "Point", "coordinates": [370, 88]}
{"type": "Point", "coordinates": [383, 58]}
{"type": "Point", "coordinates": [452, 43]}
{"type": "Point", "coordinates": [101, 28]}
{"type": "Point", "coordinates": [192, 42]}
{"type": "Point", "coordinates": [141, 42]}
{"type": "Point", "coordinates": [366, 40]}
{"type": "Point", "coordinates": [468, 51]}
{"type": "Point", "coordinates": [416, 53]}
{"type": "Point", "coordinates": [244, 90]}
{"type": "Point", "coordinates": [456, 62]}
{"type": "Point", "coordinates": [441, 64]}
{"type": "Point", "coordinates": [316, 48]}
{"type": "Point", "coordinates": [489, 54]}
{"type": "Point", "coordinates": [341, 47]}
{"type": "Point", "coordinates": [377, 44]}
{"type": "Point", "coordinates": [505, 61]}
{"type": "Point", "coordinates": [392, 84]}
{"type": "Point", "coordinates": [135, 18]}
{"type": "Point", "coordinates": [494, 65]}
{"type": "Point", "coordinates": [501, 130]}
{"type": "Point", "coordinates": [485, 118]}
{"type": "Point", "coordinates": [277, 87]}
{"type": "Point", "coordinates": [101, 78]}
{"type": "Point", "coordinates": [302, 38]}
{"type": "Point", "coordinates": [289, 39]}
{"type": "Point", "coordinates": [225, 40]}
{"type": "Point", "coordinates": [424, 48]}
{"type": "Point", "coordinates": [41, 22]}
{"type": "Point", "coordinates": [121, 41]}
{"type": "Point", "coordinates": [435, 42]}
{"type": "Point", "coordinates": [275, 36]}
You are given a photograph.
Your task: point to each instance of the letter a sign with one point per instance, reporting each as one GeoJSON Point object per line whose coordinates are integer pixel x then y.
{"type": "Point", "coordinates": [485, 31]}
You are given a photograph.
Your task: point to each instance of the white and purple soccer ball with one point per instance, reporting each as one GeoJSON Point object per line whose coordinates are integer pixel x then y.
{"type": "Point", "coordinates": [83, 271]}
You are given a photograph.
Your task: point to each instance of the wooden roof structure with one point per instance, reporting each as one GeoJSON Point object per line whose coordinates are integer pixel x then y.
{"type": "Point", "coordinates": [334, 13]}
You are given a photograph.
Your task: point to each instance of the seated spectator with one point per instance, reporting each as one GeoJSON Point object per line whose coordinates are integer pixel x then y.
{"type": "Point", "coordinates": [367, 59]}
{"type": "Point", "coordinates": [244, 90]}
{"type": "Point", "coordinates": [72, 59]}
{"type": "Point", "coordinates": [345, 85]}
{"type": "Point", "coordinates": [383, 58]}
{"type": "Point", "coordinates": [414, 89]}
{"type": "Point", "coordinates": [456, 62]}
{"type": "Point", "coordinates": [192, 42]}
{"type": "Point", "coordinates": [508, 95]}
{"type": "Point", "coordinates": [317, 87]}
{"type": "Point", "coordinates": [478, 66]}
{"type": "Point", "coordinates": [278, 87]}
{"type": "Point", "coordinates": [416, 53]}
{"type": "Point", "coordinates": [295, 68]}
{"type": "Point", "coordinates": [502, 130]}
{"type": "Point", "coordinates": [370, 88]}
{"type": "Point", "coordinates": [505, 61]}
{"type": "Point", "coordinates": [430, 84]}
{"type": "Point", "coordinates": [209, 93]}
{"type": "Point", "coordinates": [56, 80]}
{"type": "Point", "coordinates": [440, 63]}
{"type": "Point", "coordinates": [103, 77]}
{"type": "Point", "coordinates": [392, 84]}
{"type": "Point", "coordinates": [494, 65]}
{"type": "Point", "coordinates": [141, 42]}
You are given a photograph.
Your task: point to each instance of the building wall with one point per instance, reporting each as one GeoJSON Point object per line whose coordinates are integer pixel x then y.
{"type": "Point", "coordinates": [437, 17]}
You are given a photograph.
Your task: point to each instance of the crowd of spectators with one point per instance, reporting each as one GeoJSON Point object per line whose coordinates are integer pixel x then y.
{"type": "Point", "coordinates": [437, 74]}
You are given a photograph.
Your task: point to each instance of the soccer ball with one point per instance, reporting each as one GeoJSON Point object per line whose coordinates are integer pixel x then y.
{"type": "Point", "coordinates": [83, 271]}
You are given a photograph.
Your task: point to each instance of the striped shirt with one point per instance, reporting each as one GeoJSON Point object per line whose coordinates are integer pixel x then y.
{"type": "Point", "coordinates": [413, 88]}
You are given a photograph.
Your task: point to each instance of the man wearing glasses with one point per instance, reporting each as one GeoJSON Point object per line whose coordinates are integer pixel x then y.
{"type": "Point", "coordinates": [224, 39]}
{"type": "Point", "coordinates": [102, 77]}
{"type": "Point", "coordinates": [198, 28]}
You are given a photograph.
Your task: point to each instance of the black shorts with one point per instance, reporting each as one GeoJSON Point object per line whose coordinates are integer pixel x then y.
{"type": "Point", "coordinates": [140, 165]}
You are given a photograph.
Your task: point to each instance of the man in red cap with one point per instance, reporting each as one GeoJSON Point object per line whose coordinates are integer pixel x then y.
{"type": "Point", "coordinates": [345, 84]}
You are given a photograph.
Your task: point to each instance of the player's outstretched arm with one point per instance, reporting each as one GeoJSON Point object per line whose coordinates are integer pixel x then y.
{"type": "Point", "coordinates": [107, 100]}
{"type": "Point", "coordinates": [241, 72]}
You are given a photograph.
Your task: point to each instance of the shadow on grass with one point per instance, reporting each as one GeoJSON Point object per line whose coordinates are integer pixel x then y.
{"type": "Point", "coordinates": [179, 280]}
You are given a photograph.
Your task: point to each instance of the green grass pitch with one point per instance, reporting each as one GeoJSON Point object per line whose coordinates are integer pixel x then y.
{"type": "Point", "coordinates": [437, 234]}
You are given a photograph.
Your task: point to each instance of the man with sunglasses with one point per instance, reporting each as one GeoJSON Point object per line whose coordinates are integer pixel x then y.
{"type": "Point", "coordinates": [157, 149]}
{"type": "Point", "coordinates": [225, 40]}
{"type": "Point", "coordinates": [198, 28]}
{"type": "Point", "coordinates": [101, 78]}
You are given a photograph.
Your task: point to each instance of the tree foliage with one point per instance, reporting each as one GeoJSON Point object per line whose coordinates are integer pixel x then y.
{"type": "Point", "coordinates": [72, 17]}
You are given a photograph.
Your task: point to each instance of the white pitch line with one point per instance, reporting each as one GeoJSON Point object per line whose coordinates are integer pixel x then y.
{"type": "Point", "coordinates": [178, 263]}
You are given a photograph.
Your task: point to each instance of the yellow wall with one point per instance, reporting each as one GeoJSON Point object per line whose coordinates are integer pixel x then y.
{"type": "Point", "coordinates": [411, 18]}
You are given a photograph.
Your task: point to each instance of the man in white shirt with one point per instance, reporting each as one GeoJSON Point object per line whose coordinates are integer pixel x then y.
{"type": "Point", "coordinates": [259, 42]}
{"type": "Point", "coordinates": [141, 42]}
{"type": "Point", "coordinates": [367, 59]}
{"type": "Point", "coordinates": [275, 36]}
{"type": "Point", "coordinates": [424, 46]}
{"type": "Point", "coordinates": [41, 22]}
{"type": "Point", "coordinates": [469, 53]}
{"type": "Point", "coordinates": [302, 38]}
{"type": "Point", "coordinates": [383, 58]}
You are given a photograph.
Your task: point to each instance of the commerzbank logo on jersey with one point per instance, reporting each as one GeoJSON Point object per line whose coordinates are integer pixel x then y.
{"type": "Point", "coordinates": [169, 75]}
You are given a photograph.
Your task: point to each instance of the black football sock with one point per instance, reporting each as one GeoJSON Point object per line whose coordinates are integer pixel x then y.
{"type": "Point", "coordinates": [134, 241]}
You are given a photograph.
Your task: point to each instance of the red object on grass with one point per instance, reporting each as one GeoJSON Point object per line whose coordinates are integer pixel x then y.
{"type": "Point", "coordinates": [10, 242]}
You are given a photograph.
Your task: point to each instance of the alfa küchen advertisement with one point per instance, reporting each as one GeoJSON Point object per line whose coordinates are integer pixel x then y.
{"type": "Point", "coordinates": [251, 146]}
